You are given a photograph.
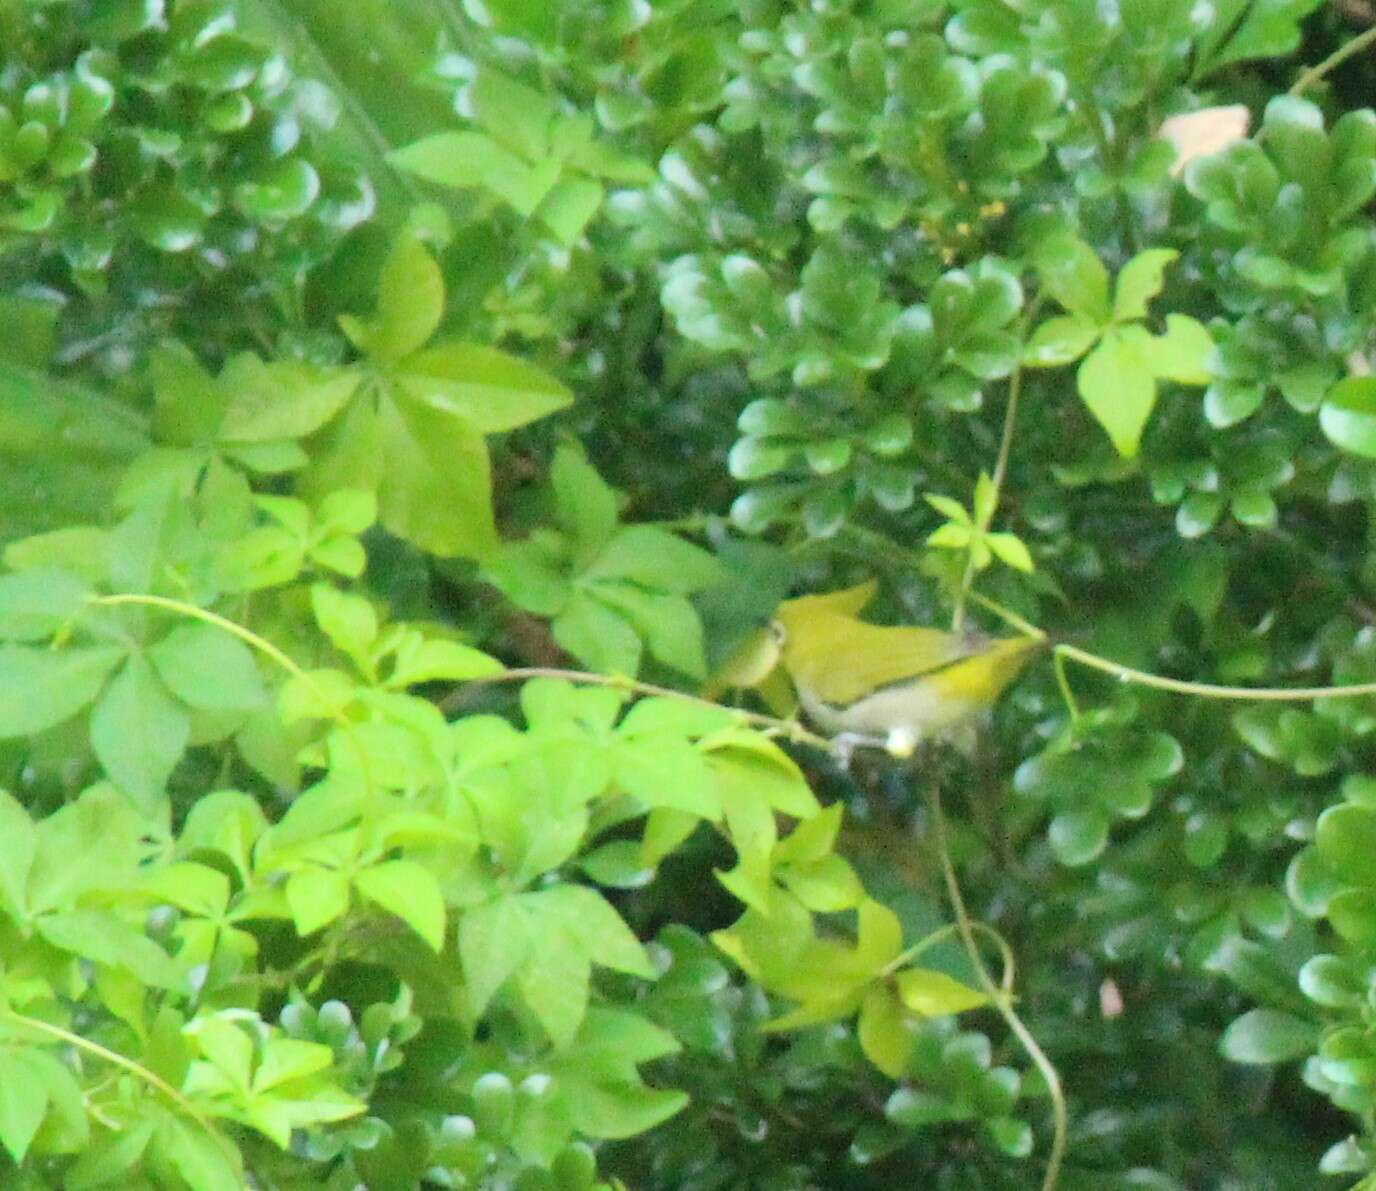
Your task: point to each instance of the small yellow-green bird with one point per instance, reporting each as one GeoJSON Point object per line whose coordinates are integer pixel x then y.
{"type": "Point", "coordinates": [889, 686]}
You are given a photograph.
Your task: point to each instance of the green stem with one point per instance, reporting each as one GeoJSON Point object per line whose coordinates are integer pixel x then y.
{"type": "Point", "coordinates": [1002, 1000]}
{"type": "Point", "coordinates": [152, 1079]}
{"type": "Point", "coordinates": [790, 728]}
{"type": "Point", "coordinates": [958, 613]}
{"type": "Point", "coordinates": [249, 638]}
{"type": "Point", "coordinates": [1007, 615]}
{"type": "Point", "coordinates": [1204, 690]}
{"type": "Point", "coordinates": [1008, 963]}
{"type": "Point", "coordinates": [191, 611]}
{"type": "Point", "coordinates": [1063, 682]}
{"type": "Point", "coordinates": [1010, 413]}
{"type": "Point", "coordinates": [1345, 51]}
{"type": "Point", "coordinates": [1209, 690]}
{"type": "Point", "coordinates": [1010, 417]}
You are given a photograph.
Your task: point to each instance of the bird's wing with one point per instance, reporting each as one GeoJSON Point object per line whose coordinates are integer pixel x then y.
{"type": "Point", "coordinates": [849, 601]}
{"type": "Point", "coordinates": [840, 659]}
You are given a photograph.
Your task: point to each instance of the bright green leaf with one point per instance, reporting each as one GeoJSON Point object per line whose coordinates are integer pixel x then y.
{"type": "Point", "coordinates": [409, 891]}
{"type": "Point", "coordinates": [410, 301]}
{"type": "Point", "coordinates": [1117, 383]}
{"type": "Point", "coordinates": [930, 993]}
{"type": "Point", "coordinates": [1139, 281]}
{"type": "Point", "coordinates": [490, 389]}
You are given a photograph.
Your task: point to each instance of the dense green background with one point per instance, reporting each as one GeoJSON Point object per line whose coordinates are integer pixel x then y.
{"type": "Point", "coordinates": [350, 353]}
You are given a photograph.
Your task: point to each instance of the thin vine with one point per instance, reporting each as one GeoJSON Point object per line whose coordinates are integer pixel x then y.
{"type": "Point", "coordinates": [254, 641]}
{"type": "Point", "coordinates": [151, 1078]}
{"type": "Point", "coordinates": [1001, 997]}
{"type": "Point", "coordinates": [1345, 51]}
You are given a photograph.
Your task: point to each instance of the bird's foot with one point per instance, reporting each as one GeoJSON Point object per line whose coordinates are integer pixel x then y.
{"type": "Point", "coordinates": [844, 744]}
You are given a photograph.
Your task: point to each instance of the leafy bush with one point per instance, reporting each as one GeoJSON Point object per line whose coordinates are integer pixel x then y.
{"type": "Point", "coordinates": [410, 415]}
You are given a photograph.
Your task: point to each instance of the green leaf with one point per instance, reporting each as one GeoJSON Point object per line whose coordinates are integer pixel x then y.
{"type": "Point", "coordinates": [1139, 281]}
{"type": "Point", "coordinates": [1345, 837]}
{"type": "Point", "coordinates": [347, 511]}
{"type": "Point", "coordinates": [618, 865]}
{"type": "Point", "coordinates": [284, 399]}
{"type": "Point", "coordinates": [1266, 1036]}
{"type": "Point", "coordinates": [317, 897]}
{"type": "Point", "coordinates": [590, 919]}
{"type": "Point", "coordinates": [99, 936]}
{"type": "Point", "coordinates": [554, 979]}
{"type": "Point", "coordinates": [139, 732]}
{"type": "Point", "coordinates": [665, 772]}
{"type": "Point", "coordinates": [1012, 1136]}
{"type": "Point", "coordinates": [435, 490]}
{"type": "Point", "coordinates": [531, 574]}
{"type": "Point", "coordinates": [208, 669]}
{"type": "Point", "coordinates": [1077, 837]}
{"type": "Point", "coordinates": [409, 891]}
{"type": "Point", "coordinates": [410, 301]}
{"type": "Point", "coordinates": [440, 660]}
{"type": "Point", "coordinates": [949, 508]}
{"type": "Point", "coordinates": [1118, 386]}
{"type": "Point", "coordinates": [315, 694]}
{"type": "Point", "coordinates": [18, 846]}
{"type": "Point", "coordinates": [597, 636]}
{"type": "Point", "coordinates": [569, 206]}
{"type": "Point", "coordinates": [41, 687]}
{"type": "Point", "coordinates": [520, 116]}
{"type": "Point", "coordinates": [109, 1160]}
{"type": "Point", "coordinates": [882, 1033]}
{"type": "Point", "coordinates": [35, 604]}
{"type": "Point", "coordinates": [1348, 415]}
{"type": "Point", "coordinates": [1073, 275]}
{"type": "Point", "coordinates": [349, 621]}
{"type": "Point", "coordinates": [23, 1099]}
{"type": "Point", "coordinates": [188, 403]}
{"type": "Point", "coordinates": [281, 191]}
{"type": "Point", "coordinates": [494, 940]}
{"type": "Point", "coordinates": [587, 504]}
{"type": "Point", "coordinates": [930, 993]}
{"type": "Point", "coordinates": [101, 828]}
{"type": "Point", "coordinates": [602, 1091]}
{"type": "Point", "coordinates": [1181, 353]}
{"type": "Point", "coordinates": [826, 885]}
{"type": "Point", "coordinates": [492, 390]}
{"type": "Point", "coordinates": [465, 160]}
{"type": "Point", "coordinates": [669, 624]}
{"type": "Point", "coordinates": [656, 558]}
{"type": "Point", "coordinates": [79, 549]}
{"type": "Point", "coordinates": [950, 536]}
{"type": "Point", "coordinates": [1243, 31]}
{"type": "Point", "coordinates": [1226, 403]}
{"type": "Point", "coordinates": [1011, 549]}
{"type": "Point", "coordinates": [1060, 340]}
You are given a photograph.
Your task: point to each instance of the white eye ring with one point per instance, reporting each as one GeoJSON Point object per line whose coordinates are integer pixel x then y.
{"type": "Point", "coordinates": [778, 632]}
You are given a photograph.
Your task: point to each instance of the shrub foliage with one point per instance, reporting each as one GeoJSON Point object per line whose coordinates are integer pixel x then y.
{"type": "Point", "coordinates": [408, 409]}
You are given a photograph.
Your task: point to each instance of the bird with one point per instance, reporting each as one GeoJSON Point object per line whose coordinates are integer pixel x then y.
{"type": "Point", "coordinates": [894, 687]}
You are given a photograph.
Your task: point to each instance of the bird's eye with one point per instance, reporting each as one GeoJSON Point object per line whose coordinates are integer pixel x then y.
{"type": "Point", "coordinates": [778, 632]}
